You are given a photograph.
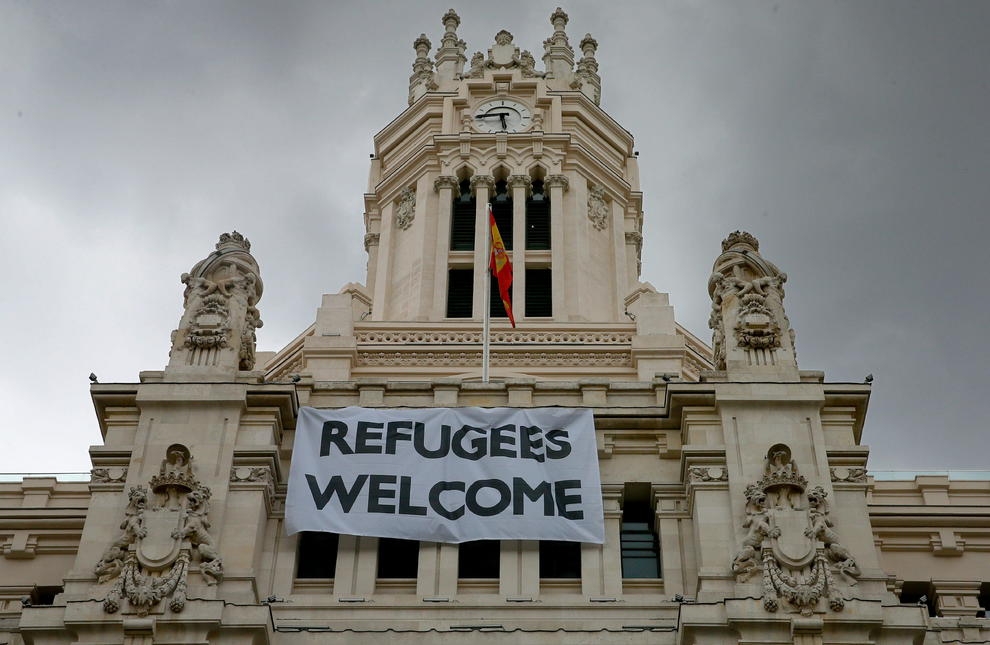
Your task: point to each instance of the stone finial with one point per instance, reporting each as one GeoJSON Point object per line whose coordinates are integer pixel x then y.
{"type": "Point", "coordinates": [589, 46]}
{"type": "Point", "coordinates": [450, 21]}
{"type": "Point", "coordinates": [586, 76]}
{"type": "Point", "coordinates": [740, 239]}
{"type": "Point", "coordinates": [216, 334]}
{"type": "Point", "coordinates": [450, 57]}
{"type": "Point", "coordinates": [233, 241]}
{"type": "Point", "coordinates": [558, 55]}
{"type": "Point", "coordinates": [751, 335]}
{"type": "Point", "coordinates": [422, 80]}
{"type": "Point", "coordinates": [422, 46]}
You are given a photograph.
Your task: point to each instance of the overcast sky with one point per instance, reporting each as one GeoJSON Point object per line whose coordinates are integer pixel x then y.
{"type": "Point", "coordinates": [852, 138]}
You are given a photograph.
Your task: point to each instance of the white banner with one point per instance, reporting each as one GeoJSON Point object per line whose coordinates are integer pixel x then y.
{"type": "Point", "coordinates": [447, 474]}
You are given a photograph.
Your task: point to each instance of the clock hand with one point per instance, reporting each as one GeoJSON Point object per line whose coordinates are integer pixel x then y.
{"type": "Point", "coordinates": [488, 115]}
{"type": "Point", "coordinates": [501, 116]}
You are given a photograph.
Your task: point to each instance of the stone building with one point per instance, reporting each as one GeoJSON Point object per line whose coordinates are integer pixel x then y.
{"type": "Point", "coordinates": [737, 504]}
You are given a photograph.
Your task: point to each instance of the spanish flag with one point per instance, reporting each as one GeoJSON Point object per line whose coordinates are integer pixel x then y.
{"type": "Point", "coordinates": [500, 266]}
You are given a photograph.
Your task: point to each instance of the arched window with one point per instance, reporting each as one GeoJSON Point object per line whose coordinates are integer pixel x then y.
{"type": "Point", "coordinates": [538, 219]}
{"type": "Point", "coordinates": [502, 210]}
{"type": "Point", "coordinates": [462, 219]}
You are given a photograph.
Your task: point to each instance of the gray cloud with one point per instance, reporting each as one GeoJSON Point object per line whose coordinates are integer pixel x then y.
{"type": "Point", "coordinates": [851, 138]}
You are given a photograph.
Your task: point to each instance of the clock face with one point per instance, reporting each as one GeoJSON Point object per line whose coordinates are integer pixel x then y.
{"type": "Point", "coordinates": [502, 115]}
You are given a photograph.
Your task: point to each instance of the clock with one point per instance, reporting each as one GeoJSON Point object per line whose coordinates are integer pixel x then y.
{"type": "Point", "coordinates": [502, 115]}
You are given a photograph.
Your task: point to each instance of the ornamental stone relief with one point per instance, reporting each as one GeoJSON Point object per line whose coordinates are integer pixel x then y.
{"type": "Point", "coordinates": [109, 475]}
{"type": "Point", "coordinates": [790, 540]}
{"type": "Point", "coordinates": [516, 337]}
{"type": "Point", "coordinates": [164, 530]}
{"type": "Point", "coordinates": [405, 210]}
{"type": "Point", "coordinates": [848, 474]}
{"type": "Point", "coordinates": [708, 474]}
{"type": "Point", "coordinates": [220, 313]}
{"type": "Point", "coordinates": [747, 300]}
{"type": "Point", "coordinates": [597, 207]}
{"type": "Point", "coordinates": [473, 359]}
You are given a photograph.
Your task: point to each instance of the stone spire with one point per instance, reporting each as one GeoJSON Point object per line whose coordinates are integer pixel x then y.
{"type": "Point", "coordinates": [558, 55]}
{"type": "Point", "coordinates": [216, 334]}
{"type": "Point", "coordinates": [751, 335]}
{"type": "Point", "coordinates": [586, 77]}
{"type": "Point", "coordinates": [450, 55]}
{"type": "Point", "coordinates": [422, 79]}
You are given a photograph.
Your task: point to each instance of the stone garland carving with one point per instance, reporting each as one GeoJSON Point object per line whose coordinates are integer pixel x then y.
{"type": "Point", "coordinates": [160, 538]}
{"type": "Point", "coordinates": [597, 207]}
{"type": "Point", "coordinates": [515, 336]}
{"type": "Point", "coordinates": [406, 209]}
{"type": "Point", "coordinates": [108, 475]}
{"type": "Point", "coordinates": [473, 359]}
{"type": "Point", "coordinates": [527, 65]}
{"type": "Point", "coordinates": [708, 474]}
{"type": "Point", "coordinates": [851, 474]}
{"type": "Point", "coordinates": [477, 66]}
{"type": "Point", "coordinates": [249, 339]}
{"type": "Point", "coordinates": [790, 540]}
{"type": "Point", "coordinates": [370, 240]}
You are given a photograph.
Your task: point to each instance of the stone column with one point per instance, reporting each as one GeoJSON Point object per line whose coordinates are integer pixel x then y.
{"type": "Point", "coordinates": [483, 185]}
{"type": "Point", "coordinates": [557, 184]}
{"type": "Point", "coordinates": [519, 184]}
{"type": "Point", "coordinates": [445, 185]}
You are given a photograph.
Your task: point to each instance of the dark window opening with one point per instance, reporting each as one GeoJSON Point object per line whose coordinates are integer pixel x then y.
{"type": "Point", "coordinates": [502, 211]}
{"type": "Point", "coordinates": [460, 293]}
{"type": "Point", "coordinates": [398, 558]}
{"type": "Point", "coordinates": [983, 600]}
{"type": "Point", "coordinates": [637, 539]}
{"type": "Point", "coordinates": [919, 593]}
{"type": "Point", "coordinates": [496, 309]}
{"type": "Point", "coordinates": [317, 555]}
{"type": "Point", "coordinates": [479, 559]}
{"type": "Point", "coordinates": [539, 293]}
{"type": "Point", "coordinates": [44, 596]}
{"type": "Point", "coordinates": [560, 559]}
{"type": "Point", "coordinates": [462, 218]}
{"type": "Point", "coordinates": [538, 219]}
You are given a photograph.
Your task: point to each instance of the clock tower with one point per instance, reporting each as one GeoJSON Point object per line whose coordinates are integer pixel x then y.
{"type": "Point", "coordinates": [562, 178]}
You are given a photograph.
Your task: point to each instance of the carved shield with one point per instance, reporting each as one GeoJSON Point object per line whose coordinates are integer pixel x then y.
{"type": "Point", "coordinates": [792, 547]}
{"type": "Point", "coordinates": [158, 549]}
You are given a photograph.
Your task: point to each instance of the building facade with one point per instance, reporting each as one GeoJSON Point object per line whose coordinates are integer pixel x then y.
{"type": "Point", "coordinates": [738, 507]}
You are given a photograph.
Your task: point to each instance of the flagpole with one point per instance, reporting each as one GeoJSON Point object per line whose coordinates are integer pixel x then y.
{"type": "Point", "coordinates": [485, 348]}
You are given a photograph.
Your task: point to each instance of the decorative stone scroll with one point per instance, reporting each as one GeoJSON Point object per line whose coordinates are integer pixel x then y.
{"type": "Point", "coordinates": [405, 210]}
{"type": "Point", "coordinates": [164, 531]}
{"type": "Point", "coordinates": [790, 540]}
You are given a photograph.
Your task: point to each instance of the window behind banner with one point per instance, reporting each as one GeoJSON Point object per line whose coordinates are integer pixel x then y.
{"type": "Point", "coordinates": [479, 559]}
{"type": "Point", "coordinates": [398, 558]}
{"type": "Point", "coordinates": [560, 559]}
{"type": "Point", "coordinates": [316, 556]}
